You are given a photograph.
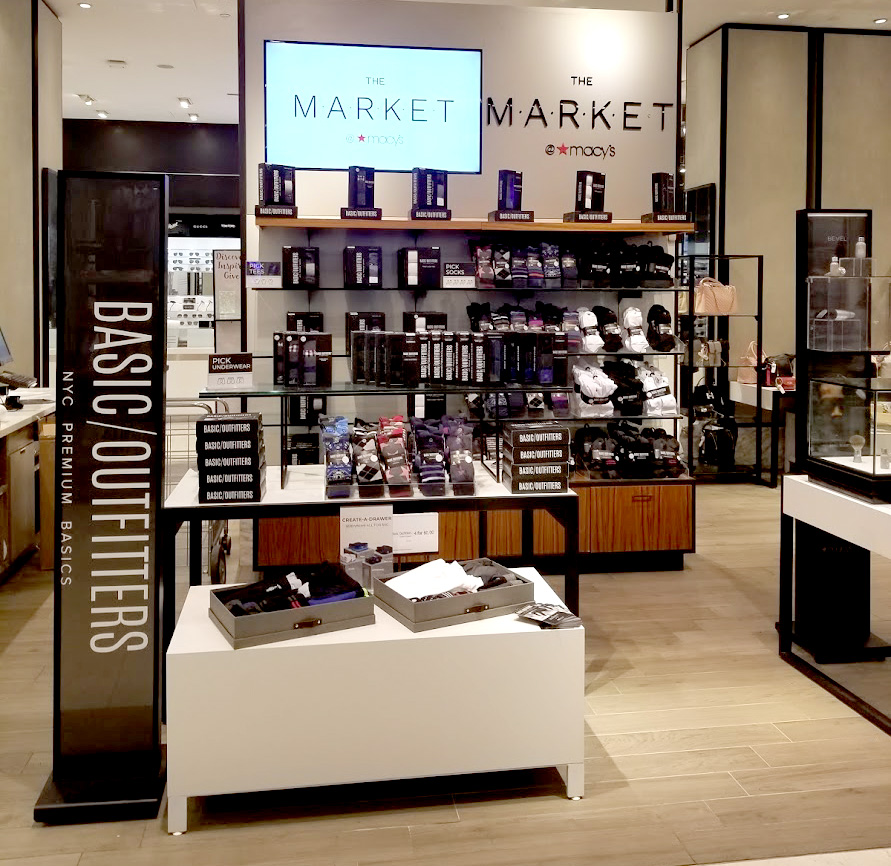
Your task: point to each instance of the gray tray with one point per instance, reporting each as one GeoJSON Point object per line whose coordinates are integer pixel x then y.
{"type": "Point", "coordinates": [262, 628]}
{"type": "Point", "coordinates": [440, 612]}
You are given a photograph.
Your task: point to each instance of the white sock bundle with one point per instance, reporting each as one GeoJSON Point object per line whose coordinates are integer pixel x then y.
{"type": "Point", "coordinates": [635, 339]}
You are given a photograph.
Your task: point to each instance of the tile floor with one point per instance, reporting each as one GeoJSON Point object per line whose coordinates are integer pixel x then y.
{"type": "Point", "coordinates": [702, 747]}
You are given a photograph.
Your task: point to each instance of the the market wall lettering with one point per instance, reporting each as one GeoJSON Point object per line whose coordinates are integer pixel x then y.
{"type": "Point", "coordinates": [416, 110]}
{"type": "Point", "coordinates": [121, 478]}
{"type": "Point", "coordinates": [630, 115]}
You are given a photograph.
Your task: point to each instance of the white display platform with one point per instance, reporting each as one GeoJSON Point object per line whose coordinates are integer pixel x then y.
{"type": "Point", "coordinates": [306, 485]}
{"type": "Point", "coordinates": [372, 703]}
{"type": "Point", "coordinates": [863, 523]}
{"type": "Point", "coordinates": [869, 465]}
{"type": "Point", "coordinates": [747, 394]}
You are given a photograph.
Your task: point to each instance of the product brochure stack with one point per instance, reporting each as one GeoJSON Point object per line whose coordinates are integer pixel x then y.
{"type": "Point", "coordinates": [231, 458]}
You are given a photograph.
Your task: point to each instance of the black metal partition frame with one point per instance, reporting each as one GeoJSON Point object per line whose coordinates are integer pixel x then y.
{"type": "Point", "coordinates": [718, 327]}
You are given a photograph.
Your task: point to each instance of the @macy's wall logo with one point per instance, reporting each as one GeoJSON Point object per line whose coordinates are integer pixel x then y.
{"type": "Point", "coordinates": [584, 150]}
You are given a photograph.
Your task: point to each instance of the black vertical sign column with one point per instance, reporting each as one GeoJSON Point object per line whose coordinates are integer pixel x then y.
{"type": "Point", "coordinates": [107, 757]}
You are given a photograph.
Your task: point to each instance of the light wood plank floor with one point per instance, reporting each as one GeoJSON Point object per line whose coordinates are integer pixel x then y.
{"type": "Point", "coordinates": [702, 746]}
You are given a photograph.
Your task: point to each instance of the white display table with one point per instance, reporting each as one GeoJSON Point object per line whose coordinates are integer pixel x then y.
{"type": "Point", "coordinates": [372, 703]}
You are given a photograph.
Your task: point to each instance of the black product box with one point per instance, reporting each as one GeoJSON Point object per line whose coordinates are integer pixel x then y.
{"type": "Point", "coordinates": [518, 454]}
{"type": "Point", "coordinates": [362, 266]}
{"type": "Point", "coordinates": [306, 408]}
{"type": "Point", "coordinates": [510, 369]}
{"type": "Point", "coordinates": [394, 357]}
{"type": "Point", "coordinates": [663, 192]}
{"type": "Point", "coordinates": [449, 357]}
{"type": "Point", "coordinates": [276, 184]}
{"type": "Point", "coordinates": [380, 357]}
{"type": "Point", "coordinates": [357, 356]}
{"type": "Point", "coordinates": [541, 485]}
{"type": "Point", "coordinates": [590, 191]}
{"type": "Point", "coordinates": [419, 267]}
{"type": "Point", "coordinates": [411, 361]}
{"type": "Point", "coordinates": [436, 357]}
{"type": "Point", "coordinates": [308, 359]}
{"type": "Point", "coordinates": [303, 449]}
{"type": "Point", "coordinates": [361, 187]}
{"type": "Point", "coordinates": [300, 267]}
{"type": "Point", "coordinates": [253, 493]}
{"type": "Point", "coordinates": [561, 358]}
{"type": "Point", "coordinates": [548, 433]}
{"type": "Point", "coordinates": [464, 356]}
{"type": "Point", "coordinates": [279, 358]}
{"type": "Point", "coordinates": [365, 321]}
{"type": "Point", "coordinates": [419, 320]}
{"type": "Point", "coordinates": [529, 358]}
{"type": "Point", "coordinates": [534, 471]}
{"type": "Point", "coordinates": [429, 188]}
{"type": "Point", "coordinates": [495, 360]}
{"type": "Point", "coordinates": [479, 358]}
{"type": "Point", "coordinates": [588, 216]}
{"type": "Point", "coordinates": [510, 190]}
{"type": "Point", "coordinates": [239, 425]}
{"type": "Point", "coordinates": [371, 345]}
{"type": "Point", "coordinates": [424, 356]}
{"type": "Point", "coordinates": [245, 460]}
{"type": "Point", "coordinates": [545, 358]}
{"type": "Point", "coordinates": [301, 322]}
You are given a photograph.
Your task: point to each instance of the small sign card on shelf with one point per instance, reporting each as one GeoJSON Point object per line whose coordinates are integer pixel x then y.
{"type": "Point", "coordinates": [588, 216]}
{"type": "Point", "coordinates": [263, 275]}
{"type": "Point", "coordinates": [430, 213]}
{"type": "Point", "coordinates": [666, 218]}
{"type": "Point", "coordinates": [512, 216]}
{"type": "Point", "coordinates": [459, 275]}
{"type": "Point", "coordinates": [361, 213]}
{"type": "Point", "coordinates": [275, 210]}
{"type": "Point", "coordinates": [235, 370]}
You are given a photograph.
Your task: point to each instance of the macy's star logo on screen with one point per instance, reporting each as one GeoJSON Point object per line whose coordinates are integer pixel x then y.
{"type": "Point", "coordinates": [361, 138]}
{"type": "Point", "coordinates": [562, 148]}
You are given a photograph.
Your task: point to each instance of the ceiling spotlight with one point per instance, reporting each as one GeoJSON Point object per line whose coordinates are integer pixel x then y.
{"type": "Point", "coordinates": [184, 102]}
{"type": "Point", "coordinates": [880, 21]}
{"type": "Point", "coordinates": [165, 66]}
{"type": "Point", "coordinates": [87, 100]}
{"type": "Point", "coordinates": [783, 16]}
{"type": "Point", "coordinates": [85, 5]}
{"type": "Point", "coordinates": [193, 117]}
{"type": "Point", "coordinates": [683, 170]}
{"type": "Point", "coordinates": [102, 114]}
{"type": "Point", "coordinates": [225, 15]}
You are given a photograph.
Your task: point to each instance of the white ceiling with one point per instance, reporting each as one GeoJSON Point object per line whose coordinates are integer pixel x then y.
{"type": "Point", "coordinates": [202, 46]}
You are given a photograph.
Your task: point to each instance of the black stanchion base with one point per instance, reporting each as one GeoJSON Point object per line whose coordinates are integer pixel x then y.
{"type": "Point", "coordinates": [100, 800]}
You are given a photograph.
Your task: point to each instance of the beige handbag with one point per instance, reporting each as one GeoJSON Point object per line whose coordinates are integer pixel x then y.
{"type": "Point", "coordinates": [748, 371]}
{"type": "Point", "coordinates": [713, 298]}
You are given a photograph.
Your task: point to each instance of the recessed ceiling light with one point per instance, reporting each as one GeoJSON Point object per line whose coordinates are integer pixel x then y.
{"type": "Point", "coordinates": [184, 102]}
{"type": "Point", "coordinates": [880, 21]}
{"type": "Point", "coordinates": [102, 114]}
{"type": "Point", "coordinates": [116, 64]}
{"type": "Point", "coordinates": [225, 15]}
{"type": "Point", "coordinates": [193, 117]}
{"type": "Point", "coordinates": [88, 100]}
{"type": "Point", "coordinates": [683, 170]}
{"type": "Point", "coordinates": [165, 66]}
{"type": "Point", "coordinates": [783, 16]}
{"type": "Point", "coordinates": [85, 5]}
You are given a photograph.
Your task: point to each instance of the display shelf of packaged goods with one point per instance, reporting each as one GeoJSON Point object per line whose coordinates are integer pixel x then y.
{"type": "Point", "coordinates": [302, 494]}
{"type": "Point", "coordinates": [484, 290]}
{"type": "Point", "coordinates": [634, 227]}
{"type": "Point", "coordinates": [359, 389]}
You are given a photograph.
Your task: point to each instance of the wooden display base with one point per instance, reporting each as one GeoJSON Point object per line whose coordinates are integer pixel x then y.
{"type": "Point", "coordinates": [592, 216]}
{"type": "Point", "coordinates": [275, 210]}
{"type": "Point", "coordinates": [666, 218]}
{"type": "Point", "coordinates": [430, 213]}
{"type": "Point", "coordinates": [361, 213]}
{"type": "Point", "coordinates": [511, 216]}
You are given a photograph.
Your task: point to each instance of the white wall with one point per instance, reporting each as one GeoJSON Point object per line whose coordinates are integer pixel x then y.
{"type": "Point", "coordinates": [703, 140]}
{"type": "Point", "coordinates": [857, 133]}
{"type": "Point", "coordinates": [766, 173]}
{"type": "Point", "coordinates": [16, 194]}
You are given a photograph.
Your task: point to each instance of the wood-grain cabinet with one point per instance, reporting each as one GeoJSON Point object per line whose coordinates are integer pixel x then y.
{"type": "Point", "coordinates": [613, 519]}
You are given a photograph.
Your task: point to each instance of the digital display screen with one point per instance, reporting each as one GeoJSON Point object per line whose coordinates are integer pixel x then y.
{"type": "Point", "coordinates": [393, 109]}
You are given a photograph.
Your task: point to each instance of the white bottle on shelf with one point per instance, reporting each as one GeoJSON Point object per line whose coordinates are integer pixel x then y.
{"type": "Point", "coordinates": [860, 248]}
{"type": "Point", "coordinates": [834, 267]}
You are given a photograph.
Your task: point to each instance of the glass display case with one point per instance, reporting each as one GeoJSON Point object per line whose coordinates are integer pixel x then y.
{"type": "Point", "coordinates": [849, 433]}
{"type": "Point", "coordinates": [849, 312]}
